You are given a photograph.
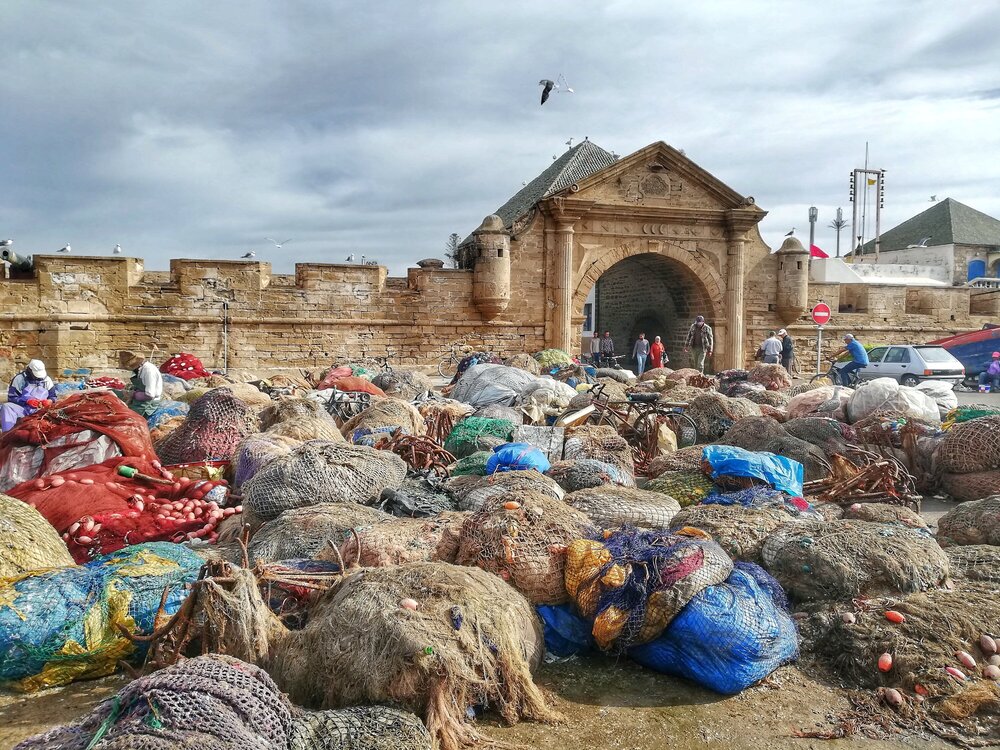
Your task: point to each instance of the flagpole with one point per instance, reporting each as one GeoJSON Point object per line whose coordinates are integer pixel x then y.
{"type": "Point", "coordinates": [864, 205]}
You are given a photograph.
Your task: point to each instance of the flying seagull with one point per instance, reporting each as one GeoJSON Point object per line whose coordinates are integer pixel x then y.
{"type": "Point", "coordinates": [66, 249]}
{"type": "Point", "coordinates": [933, 199]}
{"type": "Point", "coordinates": [251, 254]}
{"type": "Point", "coordinates": [6, 243]}
{"type": "Point", "coordinates": [350, 258]}
{"type": "Point", "coordinates": [791, 233]}
{"type": "Point", "coordinates": [117, 250]}
{"type": "Point", "coordinates": [563, 85]}
{"type": "Point", "coordinates": [276, 243]}
{"type": "Point", "coordinates": [923, 243]}
{"type": "Point", "coordinates": [547, 88]}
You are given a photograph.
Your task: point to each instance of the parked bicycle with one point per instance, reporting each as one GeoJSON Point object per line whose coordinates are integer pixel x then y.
{"type": "Point", "coordinates": [448, 366]}
{"type": "Point", "coordinates": [638, 419]}
{"type": "Point", "coordinates": [344, 406]}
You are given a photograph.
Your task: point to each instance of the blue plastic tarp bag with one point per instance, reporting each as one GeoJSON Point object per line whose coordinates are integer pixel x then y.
{"type": "Point", "coordinates": [516, 457]}
{"type": "Point", "coordinates": [781, 473]}
{"type": "Point", "coordinates": [566, 633]}
{"type": "Point", "coordinates": [729, 636]}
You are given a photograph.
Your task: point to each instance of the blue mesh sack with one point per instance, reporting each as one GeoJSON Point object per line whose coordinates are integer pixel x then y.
{"type": "Point", "coordinates": [517, 457]}
{"type": "Point", "coordinates": [781, 473]}
{"type": "Point", "coordinates": [62, 389]}
{"type": "Point", "coordinates": [729, 636]}
{"type": "Point", "coordinates": [61, 624]}
{"type": "Point", "coordinates": [566, 633]}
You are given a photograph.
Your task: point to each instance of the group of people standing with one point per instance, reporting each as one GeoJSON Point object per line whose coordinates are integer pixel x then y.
{"type": "Point", "coordinates": [777, 348]}
{"type": "Point", "coordinates": [650, 355]}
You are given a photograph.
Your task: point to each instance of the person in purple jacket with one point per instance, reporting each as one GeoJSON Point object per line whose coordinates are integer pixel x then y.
{"type": "Point", "coordinates": [29, 391]}
{"type": "Point", "coordinates": [990, 377]}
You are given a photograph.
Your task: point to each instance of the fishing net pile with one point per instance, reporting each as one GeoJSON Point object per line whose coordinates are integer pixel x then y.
{"type": "Point", "coordinates": [491, 384]}
{"type": "Point", "coordinates": [611, 506]}
{"type": "Point", "coordinates": [686, 486]}
{"type": "Point", "coordinates": [521, 537]}
{"type": "Point", "coordinates": [974, 562]}
{"type": "Point", "coordinates": [813, 459]}
{"type": "Point", "coordinates": [434, 638]}
{"type": "Point", "coordinates": [975, 522]}
{"type": "Point", "coordinates": [740, 531]}
{"type": "Point", "coordinates": [838, 560]}
{"type": "Point", "coordinates": [968, 458]}
{"type": "Point", "coordinates": [600, 443]}
{"type": "Point", "coordinates": [728, 378]}
{"type": "Point", "coordinates": [772, 376]}
{"type": "Point", "coordinates": [304, 532]}
{"type": "Point", "coordinates": [885, 394]}
{"type": "Point", "coordinates": [385, 415]}
{"type": "Point", "coordinates": [823, 401]}
{"type": "Point", "coordinates": [714, 414]}
{"type": "Point", "coordinates": [216, 702]}
{"type": "Point", "coordinates": [827, 434]}
{"type": "Point", "coordinates": [936, 625]}
{"type": "Point", "coordinates": [545, 398]}
{"type": "Point", "coordinates": [184, 366]}
{"type": "Point", "coordinates": [609, 373]}
{"type": "Point", "coordinates": [631, 583]}
{"type": "Point", "coordinates": [63, 624]}
{"type": "Point", "coordinates": [580, 473]}
{"type": "Point", "coordinates": [684, 374]}
{"type": "Point", "coordinates": [256, 451]}
{"type": "Point", "coordinates": [300, 418]}
{"type": "Point", "coordinates": [416, 497]}
{"type": "Point", "coordinates": [98, 510]}
{"type": "Point", "coordinates": [441, 416]}
{"type": "Point", "coordinates": [213, 429]}
{"type": "Point", "coordinates": [753, 433]}
{"type": "Point", "coordinates": [678, 460]}
{"type": "Point", "coordinates": [408, 385]}
{"type": "Point", "coordinates": [885, 513]}
{"type": "Point", "coordinates": [472, 464]}
{"type": "Point", "coordinates": [498, 411]}
{"type": "Point", "coordinates": [526, 362]}
{"type": "Point", "coordinates": [80, 430]}
{"type": "Point", "coordinates": [321, 472]}
{"type": "Point", "coordinates": [476, 434]}
{"type": "Point", "coordinates": [968, 412]}
{"type": "Point", "coordinates": [157, 434]}
{"type": "Point", "coordinates": [774, 399]}
{"type": "Point", "coordinates": [548, 358]}
{"type": "Point", "coordinates": [743, 389]}
{"type": "Point", "coordinates": [249, 394]}
{"type": "Point", "coordinates": [396, 541]}
{"type": "Point", "coordinates": [474, 491]}
{"type": "Point", "coordinates": [27, 540]}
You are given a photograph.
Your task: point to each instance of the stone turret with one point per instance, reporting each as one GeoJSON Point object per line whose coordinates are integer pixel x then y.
{"type": "Point", "coordinates": [491, 277]}
{"type": "Point", "coordinates": [793, 281]}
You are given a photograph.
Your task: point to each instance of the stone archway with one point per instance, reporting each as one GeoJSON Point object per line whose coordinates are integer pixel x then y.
{"type": "Point", "coordinates": [649, 292]}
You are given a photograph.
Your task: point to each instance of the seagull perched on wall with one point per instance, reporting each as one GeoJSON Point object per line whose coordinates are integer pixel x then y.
{"type": "Point", "coordinates": [117, 250]}
{"type": "Point", "coordinates": [66, 249]}
{"type": "Point", "coordinates": [251, 254]}
{"type": "Point", "coordinates": [350, 258]}
{"type": "Point", "coordinates": [277, 244]}
{"type": "Point", "coordinates": [923, 243]}
{"type": "Point", "coordinates": [6, 243]}
{"type": "Point", "coordinates": [791, 233]}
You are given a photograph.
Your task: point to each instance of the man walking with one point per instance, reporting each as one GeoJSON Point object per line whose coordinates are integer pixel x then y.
{"type": "Point", "coordinates": [699, 342]}
{"type": "Point", "coordinates": [607, 349]}
{"type": "Point", "coordinates": [787, 350]}
{"type": "Point", "coordinates": [640, 352]}
{"type": "Point", "coordinates": [771, 349]}
{"type": "Point", "coordinates": [595, 349]}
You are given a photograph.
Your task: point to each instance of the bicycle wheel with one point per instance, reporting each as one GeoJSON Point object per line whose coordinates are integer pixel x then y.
{"type": "Point", "coordinates": [448, 367]}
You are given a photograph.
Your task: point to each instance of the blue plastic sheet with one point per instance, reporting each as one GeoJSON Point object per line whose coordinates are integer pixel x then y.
{"type": "Point", "coordinates": [781, 473]}
{"type": "Point", "coordinates": [729, 636]}
{"type": "Point", "coordinates": [166, 410]}
{"type": "Point", "coordinates": [566, 633]}
{"type": "Point", "coordinates": [516, 457]}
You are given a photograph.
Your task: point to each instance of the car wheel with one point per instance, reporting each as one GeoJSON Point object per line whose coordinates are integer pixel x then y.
{"type": "Point", "coordinates": [910, 380]}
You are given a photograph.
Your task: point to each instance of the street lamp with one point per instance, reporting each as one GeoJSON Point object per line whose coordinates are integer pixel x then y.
{"type": "Point", "coordinates": [813, 215]}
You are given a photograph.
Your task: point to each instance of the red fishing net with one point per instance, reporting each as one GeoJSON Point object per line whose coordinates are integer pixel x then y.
{"type": "Point", "coordinates": [185, 367]}
{"type": "Point", "coordinates": [97, 510]}
{"type": "Point", "coordinates": [79, 430]}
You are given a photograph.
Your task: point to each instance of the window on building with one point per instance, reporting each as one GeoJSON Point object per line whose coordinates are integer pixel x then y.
{"type": "Point", "coordinates": [588, 317]}
{"type": "Point", "coordinates": [500, 252]}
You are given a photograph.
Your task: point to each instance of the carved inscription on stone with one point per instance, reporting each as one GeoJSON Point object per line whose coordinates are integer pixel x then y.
{"type": "Point", "coordinates": [672, 230]}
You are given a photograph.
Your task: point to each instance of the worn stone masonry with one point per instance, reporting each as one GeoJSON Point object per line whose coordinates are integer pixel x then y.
{"type": "Point", "coordinates": [689, 243]}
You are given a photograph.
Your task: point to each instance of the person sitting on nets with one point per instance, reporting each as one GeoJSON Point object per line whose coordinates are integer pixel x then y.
{"type": "Point", "coordinates": [29, 391]}
{"type": "Point", "coordinates": [990, 377]}
{"type": "Point", "coordinates": [859, 358]}
{"type": "Point", "coordinates": [147, 385]}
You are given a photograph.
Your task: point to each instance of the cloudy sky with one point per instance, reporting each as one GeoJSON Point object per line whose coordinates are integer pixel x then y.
{"type": "Point", "coordinates": [194, 129]}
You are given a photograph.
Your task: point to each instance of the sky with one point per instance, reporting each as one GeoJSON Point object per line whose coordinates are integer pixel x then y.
{"type": "Point", "coordinates": [193, 129]}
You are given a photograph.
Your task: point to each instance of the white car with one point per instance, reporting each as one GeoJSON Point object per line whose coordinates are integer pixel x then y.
{"type": "Point", "coordinates": [911, 364]}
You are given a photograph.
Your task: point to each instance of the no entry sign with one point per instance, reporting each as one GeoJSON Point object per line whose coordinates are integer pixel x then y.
{"type": "Point", "coordinates": [821, 314]}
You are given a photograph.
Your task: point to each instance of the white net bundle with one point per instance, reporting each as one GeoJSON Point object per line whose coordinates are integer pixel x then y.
{"type": "Point", "coordinates": [885, 394]}
{"type": "Point", "coordinates": [612, 506]}
{"type": "Point", "coordinates": [471, 493]}
{"type": "Point", "coordinates": [385, 414]}
{"type": "Point", "coordinates": [491, 384]}
{"type": "Point", "coordinates": [409, 385]}
{"type": "Point", "coordinates": [303, 533]}
{"type": "Point", "coordinates": [256, 451]}
{"type": "Point", "coordinates": [321, 472]}
{"type": "Point", "coordinates": [601, 443]}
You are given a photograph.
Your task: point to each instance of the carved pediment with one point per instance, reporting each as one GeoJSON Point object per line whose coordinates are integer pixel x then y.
{"type": "Point", "coordinates": [643, 186]}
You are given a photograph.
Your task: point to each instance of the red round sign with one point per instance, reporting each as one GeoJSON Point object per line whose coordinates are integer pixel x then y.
{"type": "Point", "coordinates": [821, 314]}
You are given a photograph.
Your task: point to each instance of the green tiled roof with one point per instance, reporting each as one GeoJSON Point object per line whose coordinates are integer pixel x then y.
{"type": "Point", "coordinates": [946, 222]}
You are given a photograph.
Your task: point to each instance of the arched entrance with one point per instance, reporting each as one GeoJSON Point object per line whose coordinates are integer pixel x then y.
{"type": "Point", "coordinates": [654, 294]}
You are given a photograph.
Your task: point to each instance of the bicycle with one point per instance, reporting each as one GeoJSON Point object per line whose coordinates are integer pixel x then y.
{"type": "Point", "coordinates": [836, 377]}
{"type": "Point", "coordinates": [344, 406]}
{"type": "Point", "coordinates": [638, 419]}
{"type": "Point", "coordinates": [448, 366]}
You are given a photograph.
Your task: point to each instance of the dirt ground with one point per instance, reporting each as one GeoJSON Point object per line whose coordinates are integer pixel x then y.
{"type": "Point", "coordinates": [607, 704]}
